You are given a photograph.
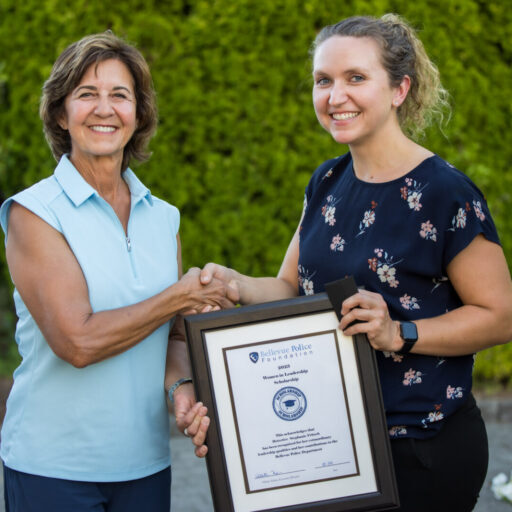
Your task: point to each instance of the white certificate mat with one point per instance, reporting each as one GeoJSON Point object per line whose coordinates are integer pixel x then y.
{"type": "Point", "coordinates": [295, 426]}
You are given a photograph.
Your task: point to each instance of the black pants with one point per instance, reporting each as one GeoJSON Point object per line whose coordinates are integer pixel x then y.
{"type": "Point", "coordinates": [446, 472]}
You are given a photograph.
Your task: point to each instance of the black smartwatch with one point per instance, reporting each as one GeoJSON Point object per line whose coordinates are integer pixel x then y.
{"type": "Point", "coordinates": [409, 334]}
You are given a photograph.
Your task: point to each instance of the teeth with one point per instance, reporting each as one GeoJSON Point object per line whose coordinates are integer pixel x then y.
{"type": "Point", "coordinates": [104, 129]}
{"type": "Point", "coordinates": [345, 115]}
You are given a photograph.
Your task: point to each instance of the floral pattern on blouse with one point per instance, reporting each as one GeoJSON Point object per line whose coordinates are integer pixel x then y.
{"type": "Point", "coordinates": [384, 265]}
{"type": "Point", "coordinates": [368, 219]}
{"type": "Point", "coordinates": [397, 240]}
{"type": "Point", "coordinates": [397, 358]}
{"type": "Point", "coordinates": [328, 174]}
{"type": "Point", "coordinates": [329, 210]}
{"type": "Point", "coordinates": [398, 431]}
{"type": "Point", "coordinates": [478, 210]}
{"type": "Point", "coordinates": [458, 220]}
{"type": "Point", "coordinates": [452, 393]}
{"type": "Point", "coordinates": [409, 302]}
{"type": "Point", "coordinates": [412, 192]}
{"type": "Point", "coordinates": [433, 416]}
{"type": "Point", "coordinates": [412, 377]}
{"type": "Point", "coordinates": [306, 280]}
{"type": "Point", "coordinates": [337, 243]}
{"type": "Point", "coordinates": [438, 281]}
{"type": "Point", "coordinates": [428, 231]}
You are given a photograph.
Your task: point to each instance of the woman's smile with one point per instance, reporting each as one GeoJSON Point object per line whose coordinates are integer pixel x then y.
{"type": "Point", "coordinates": [343, 116]}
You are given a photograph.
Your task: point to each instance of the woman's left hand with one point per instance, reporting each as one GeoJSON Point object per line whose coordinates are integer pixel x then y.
{"type": "Point", "coordinates": [191, 418]}
{"type": "Point", "coordinates": [371, 312]}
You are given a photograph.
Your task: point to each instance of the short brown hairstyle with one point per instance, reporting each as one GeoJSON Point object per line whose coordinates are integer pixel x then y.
{"type": "Point", "coordinates": [68, 70]}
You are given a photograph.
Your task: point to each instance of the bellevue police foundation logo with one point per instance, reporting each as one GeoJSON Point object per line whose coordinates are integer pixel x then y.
{"type": "Point", "coordinates": [253, 356]}
{"type": "Point", "coordinates": [289, 403]}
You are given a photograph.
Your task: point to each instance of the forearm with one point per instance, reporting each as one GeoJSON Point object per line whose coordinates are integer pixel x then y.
{"type": "Point", "coordinates": [254, 290]}
{"type": "Point", "coordinates": [177, 363]}
{"type": "Point", "coordinates": [465, 330]}
{"type": "Point", "coordinates": [108, 333]}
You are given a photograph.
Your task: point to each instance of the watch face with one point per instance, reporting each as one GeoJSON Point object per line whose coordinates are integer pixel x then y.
{"type": "Point", "coordinates": [408, 331]}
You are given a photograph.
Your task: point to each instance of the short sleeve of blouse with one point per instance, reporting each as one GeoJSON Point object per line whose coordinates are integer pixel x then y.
{"type": "Point", "coordinates": [174, 216]}
{"type": "Point", "coordinates": [322, 171]}
{"type": "Point", "coordinates": [466, 214]}
{"type": "Point", "coordinates": [31, 202]}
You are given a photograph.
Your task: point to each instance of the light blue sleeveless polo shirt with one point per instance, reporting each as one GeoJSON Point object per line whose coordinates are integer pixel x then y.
{"type": "Point", "coordinates": [108, 421]}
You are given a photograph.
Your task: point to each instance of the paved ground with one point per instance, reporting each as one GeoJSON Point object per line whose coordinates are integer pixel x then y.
{"type": "Point", "coordinates": [191, 492]}
{"type": "Point", "coordinates": [190, 472]}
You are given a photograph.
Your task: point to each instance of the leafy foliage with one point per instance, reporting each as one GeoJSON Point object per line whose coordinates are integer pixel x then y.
{"type": "Point", "coordinates": [238, 138]}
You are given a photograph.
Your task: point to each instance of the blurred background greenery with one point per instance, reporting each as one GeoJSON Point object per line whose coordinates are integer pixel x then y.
{"type": "Point", "coordinates": [238, 138]}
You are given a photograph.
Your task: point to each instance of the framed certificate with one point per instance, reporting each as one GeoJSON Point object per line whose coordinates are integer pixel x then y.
{"type": "Point", "coordinates": [296, 410]}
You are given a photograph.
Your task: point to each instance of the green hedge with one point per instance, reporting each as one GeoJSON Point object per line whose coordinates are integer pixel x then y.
{"type": "Point", "coordinates": [238, 138]}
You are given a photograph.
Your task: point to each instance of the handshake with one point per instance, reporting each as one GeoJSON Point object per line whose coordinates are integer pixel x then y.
{"type": "Point", "coordinates": [213, 288]}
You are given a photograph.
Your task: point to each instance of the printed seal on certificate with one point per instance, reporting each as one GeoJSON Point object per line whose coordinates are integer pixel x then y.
{"type": "Point", "coordinates": [289, 403]}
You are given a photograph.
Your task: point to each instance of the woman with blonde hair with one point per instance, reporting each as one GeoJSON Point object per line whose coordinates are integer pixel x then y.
{"type": "Point", "coordinates": [417, 234]}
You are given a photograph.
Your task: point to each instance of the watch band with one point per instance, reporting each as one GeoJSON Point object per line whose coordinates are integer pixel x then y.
{"type": "Point", "coordinates": [176, 385]}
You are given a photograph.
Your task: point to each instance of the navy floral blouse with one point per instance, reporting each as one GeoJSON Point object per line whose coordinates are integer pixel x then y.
{"type": "Point", "coordinates": [396, 239]}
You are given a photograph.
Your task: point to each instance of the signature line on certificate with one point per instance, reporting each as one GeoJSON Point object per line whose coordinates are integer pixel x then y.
{"type": "Point", "coordinates": [276, 473]}
{"type": "Point", "coordinates": [323, 466]}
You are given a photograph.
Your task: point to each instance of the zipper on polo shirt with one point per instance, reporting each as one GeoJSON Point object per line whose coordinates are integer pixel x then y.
{"type": "Point", "coordinates": [130, 255]}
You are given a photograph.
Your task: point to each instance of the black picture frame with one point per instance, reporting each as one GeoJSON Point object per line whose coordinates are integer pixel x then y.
{"type": "Point", "coordinates": [211, 336]}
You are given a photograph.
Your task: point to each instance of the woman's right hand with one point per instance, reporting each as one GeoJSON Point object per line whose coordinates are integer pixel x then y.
{"type": "Point", "coordinates": [227, 275]}
{"type": "Point", "coordinates": [207, 294]}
